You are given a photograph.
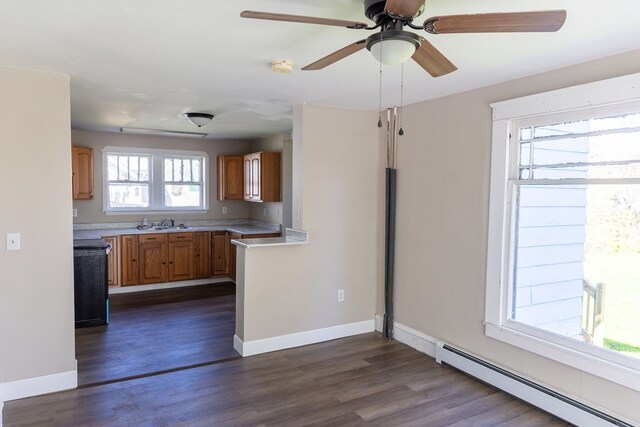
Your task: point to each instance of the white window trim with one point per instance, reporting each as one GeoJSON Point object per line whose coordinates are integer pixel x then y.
{"type": "Point", "coordinates": [593, 360]}
{"type": "Point", "coordinates": [157, 182]}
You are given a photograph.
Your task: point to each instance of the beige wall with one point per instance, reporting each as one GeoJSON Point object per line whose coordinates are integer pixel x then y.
{"type": "Point", "coordinates": [90, 211]}
{"type": "Point", "coordinates": [443, 193]}
{"type": "Point", "coordinates": [36, 283]}
{"type": "Point", "coordinates": [294, 288]}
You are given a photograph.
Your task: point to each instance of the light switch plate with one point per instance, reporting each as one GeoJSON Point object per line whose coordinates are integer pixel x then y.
{"type": "Point", "coordinates": [74, 212]}
{"type": "Point", "coordinates": [13, 241]}
{"type": "Point", "coordinates": [224, 210]}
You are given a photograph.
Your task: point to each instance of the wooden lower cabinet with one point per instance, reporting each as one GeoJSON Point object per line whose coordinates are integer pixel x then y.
{"type": "Point", "coordinates": [152, 254]}
{"type": "Point", "coordinates": [129, 270]}
{"type": "Point", "coordinates": [233, 251]}
{"type": "Point", "coordinates": [220, 253]}
{"type": "Point", "coordinates": [202, 255]}
{"type": "Point", "coordinates": [159, 257]}
{"type": "Point", "coordinates": [113, 261]}
{"type": "Point", "coordinates": [181, 257]}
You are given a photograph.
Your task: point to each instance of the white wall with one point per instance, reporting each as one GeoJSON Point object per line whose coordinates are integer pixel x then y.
{"type": "Point", "coordinates": [36, 283]}
{"type": "Point", "coordinates": [90, 211]}
{"type": "Point", "coordinates": [284, 290]}
{"type": "Point", "coordinates": [442, 215]}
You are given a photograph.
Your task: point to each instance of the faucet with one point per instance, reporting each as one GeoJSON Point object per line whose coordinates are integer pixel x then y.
{"type": "Point", "coordinates": [165, 223]}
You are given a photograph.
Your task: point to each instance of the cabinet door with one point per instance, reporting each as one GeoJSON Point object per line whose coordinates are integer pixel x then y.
{"type": "Point", "coordinates": [112, 262]}
{"type": "Point", "coordinates": [219, 252]}
{"type": "Point", "coordinates": [181, 260]}
{"type": "Point", "coordinates": [82, 173]}
{"type": "Point", "coordinates": [152, 255]}
{"type": "Point", "coordinates": [230, 178]}
{"type": "Point", "coordinates": [202, 255]}
{"type": "Point", "coordinates": [233, 250]}
{"type": "Point", "coordinates": [129, 270]}
{"type": "Point", "coordinates": [270, 179]}
{"type": "Point", "coordinates": [256, 178]}
{"type": "Point", "coordinates": [247, 177]}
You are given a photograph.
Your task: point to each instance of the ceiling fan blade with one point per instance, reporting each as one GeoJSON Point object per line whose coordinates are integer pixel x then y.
{"type": "Point", "coordinates": [518, 22]}
{"type": "Point", "coordinates": [405, 8]}
{"type": "Point", "coordinates": [336, 56]}
{"type": "Point", "coordinates": [432, 60]}
{"type": "Point", "coordinates": [302, 19]}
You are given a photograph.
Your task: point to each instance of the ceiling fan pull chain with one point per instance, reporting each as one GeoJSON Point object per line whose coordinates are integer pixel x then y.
{"type": "Point", "coordinates": [380, 92]}
{"type": "Point", "coordinates": [401, 131]}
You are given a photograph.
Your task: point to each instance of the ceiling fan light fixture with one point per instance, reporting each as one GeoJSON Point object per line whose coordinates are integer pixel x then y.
{"type": "Point", "coordinates": [393, 47]}
{"type": "Point", "coordinates": [199, 119]}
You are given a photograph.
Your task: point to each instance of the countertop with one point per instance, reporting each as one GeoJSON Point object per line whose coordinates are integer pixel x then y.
{"type": "Point", "coordinates": [98, 233]}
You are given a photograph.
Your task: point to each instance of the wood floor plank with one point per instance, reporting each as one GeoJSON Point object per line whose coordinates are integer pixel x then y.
{"type": "Point", "coordinates": [157, 330]}
{"type": "Point", "coordinates": [361, 380]}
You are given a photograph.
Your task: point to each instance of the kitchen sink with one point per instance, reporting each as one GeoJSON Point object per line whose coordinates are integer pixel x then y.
{"type": "Point", "coordinates": [164, 227]}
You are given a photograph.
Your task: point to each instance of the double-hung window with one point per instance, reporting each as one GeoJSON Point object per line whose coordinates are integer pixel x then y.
{"type": "Point", "coordinates": [563, 267]}
{"type": "Point", "coordinates": [151, 180]}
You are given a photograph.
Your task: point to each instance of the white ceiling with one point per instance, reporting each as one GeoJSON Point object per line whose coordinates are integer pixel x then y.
{"type": "Point", "coordinates": [143, 63]}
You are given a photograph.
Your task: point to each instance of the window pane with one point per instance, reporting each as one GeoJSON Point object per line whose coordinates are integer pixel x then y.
{"type": "Point", "coordinates": [182, 195]}
{"type": "Point", "coordinates": [168, 170]}
{"type": "Point", "coordinates": [144, 168]}
{"type": "Point", "coordinates": [177, 173]}
{"type": "Point", "coordinates": [128, 196]}
{"type": "Point", "coordinates": [134, 174]}
{"type": "Point", "coordinates": [123, 168]}
{"type": "Point", "coordinates": [577, 263]}
{"type": "Point", "coordinates": [195, 168]}
{"type": "Point", "coordinates": [112, 167]}
{"type": "Point", "coordinates": [186, 176]}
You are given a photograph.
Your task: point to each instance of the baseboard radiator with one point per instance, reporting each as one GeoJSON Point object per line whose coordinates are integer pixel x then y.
{"type": "Point", "coordinates": [555, 403]}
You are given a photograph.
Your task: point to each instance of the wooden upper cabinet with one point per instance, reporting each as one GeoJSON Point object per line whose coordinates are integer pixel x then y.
{"type": "Point", "coordinates": [230, 178]}
{"type": "Point", "coordinates": [262, 177]}
{"type": "Point", "coordinates": [202, 255]}
{"type": "Point", "coordinates": [82, 173]}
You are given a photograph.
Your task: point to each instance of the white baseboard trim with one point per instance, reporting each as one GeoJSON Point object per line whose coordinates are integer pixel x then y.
{"type": "Point", "coordinates": [167, 285]}
{"type": "Point", "coordinates": [250, 348]}
{"type": "Point", "coordinates": [411, 337]}
{"type": "Point", "coordinates": [552, 402]}
{"type": "Point", "coordinates": [38, 385]}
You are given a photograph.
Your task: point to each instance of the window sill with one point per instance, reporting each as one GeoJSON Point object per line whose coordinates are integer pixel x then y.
{"type": "Point", "coordinates": [158, 212]}
{"type": "Point", "coordinates": [589, 363]}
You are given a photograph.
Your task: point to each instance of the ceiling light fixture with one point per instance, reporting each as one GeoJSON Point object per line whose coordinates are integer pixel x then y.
{"type": "Point", "coordinates": [393, 47]}
{"type": "Point", "coordinates": [199, 119]}
{"type": "Point", "coordinates": [141, 131]}
{"type": "Point", "coordinates": [282, 67]}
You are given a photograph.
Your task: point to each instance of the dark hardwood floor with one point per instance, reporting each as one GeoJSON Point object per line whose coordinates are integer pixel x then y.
{"type": "Point", "coordinates": [158, 330]}
{"type": "Point", "coordinates": [361, 380]}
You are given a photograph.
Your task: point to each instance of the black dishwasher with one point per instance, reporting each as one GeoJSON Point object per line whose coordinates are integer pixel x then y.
{"type": "Point", "coordinates": [91, 286]}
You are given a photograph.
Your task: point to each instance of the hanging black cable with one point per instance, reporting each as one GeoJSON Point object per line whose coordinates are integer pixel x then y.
{"type": "Point", "coordinates": [380, 88]}
{"type": "Point", "coordinates": [401, 131]}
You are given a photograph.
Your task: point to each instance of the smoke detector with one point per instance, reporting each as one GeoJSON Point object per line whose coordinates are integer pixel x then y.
{"type": "Point", "coordinates": [283, 66]}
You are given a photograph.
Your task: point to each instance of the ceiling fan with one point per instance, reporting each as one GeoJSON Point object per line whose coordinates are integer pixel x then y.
{"type": "Point", "coordinates": [393, 45]}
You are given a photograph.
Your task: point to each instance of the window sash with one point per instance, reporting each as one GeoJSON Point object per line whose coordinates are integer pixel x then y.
{"type": "Point", "coordinates": [156, 184]}
{"type": "Point", "coordinates": [616, 96]}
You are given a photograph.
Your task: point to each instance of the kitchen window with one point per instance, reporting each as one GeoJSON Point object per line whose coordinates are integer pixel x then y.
{"type": "Point", "coordinates": [563, 262]}
{"type": "Point", "coordinates": [149, 180]}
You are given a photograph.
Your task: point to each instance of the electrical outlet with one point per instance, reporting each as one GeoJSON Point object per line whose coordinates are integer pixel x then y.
{"type": "Point", "coordinates": [224, 210]}
{"type": "Point", "coordinates": [74, 212]}
{"type": "Point", "coordinates": [340, 295]}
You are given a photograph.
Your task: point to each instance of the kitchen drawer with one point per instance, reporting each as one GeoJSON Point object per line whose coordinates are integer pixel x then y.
{"type": "Point", "coordinates": [181, 237]}
{"type": "Point", "coordinates": [152, 238]}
